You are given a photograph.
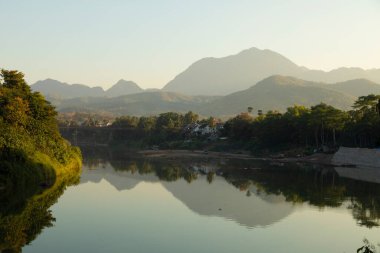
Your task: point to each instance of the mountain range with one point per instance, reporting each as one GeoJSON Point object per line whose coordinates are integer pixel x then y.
{"type": "Point", "coordinates": [262, 79]}
{"type": "Point", "coordinates": [222, 76]}
{"type": "Point", "coordinates": [58, 90]}
{"type": "Point", "coordinates": [273, 93]}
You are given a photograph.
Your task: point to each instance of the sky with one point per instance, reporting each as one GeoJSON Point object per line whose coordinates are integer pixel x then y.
{"type": "Point", "coordinates": [98, 42]}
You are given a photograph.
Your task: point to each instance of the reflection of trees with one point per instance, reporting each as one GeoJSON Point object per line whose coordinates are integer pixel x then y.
{"type": "Point", "coordinates": [164, 170]}
{"type": "Point", "coordinates": [210, 176]}
{"type": "Point", "coordinates": [31, 215]}
{"type": "Point", "coordinates": [321, 187]}
{"type": "Point", "coordinates": [318, 187]}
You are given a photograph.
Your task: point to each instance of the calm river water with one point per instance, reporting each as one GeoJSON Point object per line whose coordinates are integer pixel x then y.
{"type": "Point", "coordinates": [168, 205]}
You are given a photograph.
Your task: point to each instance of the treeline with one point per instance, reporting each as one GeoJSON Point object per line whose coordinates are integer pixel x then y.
{"type": "Point", "coordinates": [319, 126]}
{"type": "Point", "coordinates": [29, 138]}
{"type": "Point", "coordinates": [166, 130]}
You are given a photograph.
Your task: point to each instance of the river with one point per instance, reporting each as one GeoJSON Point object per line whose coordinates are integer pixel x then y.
{"type": "Point", "coordinates": [128, 204]}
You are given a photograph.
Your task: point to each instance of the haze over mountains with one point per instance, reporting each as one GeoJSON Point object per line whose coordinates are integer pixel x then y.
{"type": "Point", "coordinates": [273, 93]}
{"type": "Point", "coordinates": [58, 90]}
{"type": "Point", "coordinates": [222, 76]}
{"type": "Point", "coordinates": [224, 86]}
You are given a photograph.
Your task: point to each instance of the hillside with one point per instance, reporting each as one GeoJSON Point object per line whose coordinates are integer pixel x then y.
{"type": "Point", "coordinates": [278, 93]}
{"type": "Point", "coordinates": [32, 151]}
{"type": "Point", "coordinates": [357, 87]}
{"type": "Point", "coordinates": [222, 76]}
{"type": "Point", "coordinates": [147, 103]}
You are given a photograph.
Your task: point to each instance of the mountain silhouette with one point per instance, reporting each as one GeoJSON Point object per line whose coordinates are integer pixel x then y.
{"type": "Point", "coordinates": [56, 90]}
{"type": "Point", "coordinates": [123, 87]}
{"type": "Point", "coordinates": [222, 76]}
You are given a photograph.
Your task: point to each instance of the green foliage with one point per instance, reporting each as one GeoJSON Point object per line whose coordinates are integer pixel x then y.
{"type": "Point", "coordinates": [33, 157]}
{"type": "Point", "coordinates": [318, 126]}
{"type": "Point", "coordinates": [165, 130]}
{"type": "Point", "coordinates": [28, 126]}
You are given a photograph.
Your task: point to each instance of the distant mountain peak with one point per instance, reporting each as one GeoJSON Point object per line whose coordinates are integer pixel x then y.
{"type": "Point", "coordinates": [281, 80]}
{"type": "Point", "coordinates": [123, 87]}
{"type": "Point", "coordinates": [225, 75]}
{"type": "Point", "coordinates": [123, 82]}
{"type": "Point", "coordinates": [255, 50]}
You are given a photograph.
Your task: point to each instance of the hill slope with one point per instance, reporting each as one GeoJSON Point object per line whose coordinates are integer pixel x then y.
{"type": "Point", "coordinates": [147, 103]}
{"type": "Point", "coordinates": [278, 93]}
{"type": "Point", "coordinates": [356, 87]}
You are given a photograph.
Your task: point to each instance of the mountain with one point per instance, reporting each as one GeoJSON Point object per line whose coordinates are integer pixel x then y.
{"type": "Point", "coordinates": [222, 76]}
{"type": "Point", "coordinates": [273, 93]}
{"type": "Point", "coordinates": [278, 93]}
{"type": "Point", "coordinates": [123, 87]}
{"type": "Point", "coordinates": [56, 90]}
{"type": "Point", "coordinates": [356, 87]}
{"type": "Point", "coordinates": [146, 103]}
{"type": "Point", "coordinates": [340, 75]}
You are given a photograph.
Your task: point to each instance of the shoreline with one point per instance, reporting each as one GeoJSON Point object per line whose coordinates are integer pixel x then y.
{"type": "Point", "coordinates": [321, 159]}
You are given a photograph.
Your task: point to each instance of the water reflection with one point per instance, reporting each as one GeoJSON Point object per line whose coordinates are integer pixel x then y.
{"type": "Point", "coordinates": [262, 193]}
{"type": "Point", "coordinates": [251, 194]}
{"type": "Point", "coordinates": [24, 210]}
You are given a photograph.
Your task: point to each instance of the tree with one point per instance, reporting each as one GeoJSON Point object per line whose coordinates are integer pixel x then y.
{"type": "Point", "coordinates": [190, 118]}
{"type": "Point", "coordinates": [13, 79]}
{"type": "Point", "coordinates": [366, 103]}
{"type": "Point", "coordinates": [147, 123]}
{"type": "Point", "coordinates": [126, 121]}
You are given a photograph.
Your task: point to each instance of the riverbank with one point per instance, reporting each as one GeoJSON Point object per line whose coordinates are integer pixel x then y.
{"type": "Point", "coordinates": [322, 159]}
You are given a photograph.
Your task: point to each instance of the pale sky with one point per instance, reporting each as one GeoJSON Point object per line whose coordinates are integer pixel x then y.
{"type": "Point", "coordinates": [151, 41]}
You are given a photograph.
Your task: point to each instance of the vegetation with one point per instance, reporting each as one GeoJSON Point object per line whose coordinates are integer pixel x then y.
{"type": "Point", "coordinates": [168, 130]}
{"type": "Point", "coordinates": [32, 150]}
{"type": "Point", "coordinates": [315, 127]}
{"type": "Point", "coordinates": [301, 130]}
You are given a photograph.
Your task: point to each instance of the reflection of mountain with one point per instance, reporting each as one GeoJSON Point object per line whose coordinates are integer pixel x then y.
{"type": "Point", "coordinates": [202, 197]}
{"type": "Point", "coordinates": [266, 195]}
{"type": "Point", "coordinates": [222, 199]}
{"type": "Point", "coordinates": [121, 180]}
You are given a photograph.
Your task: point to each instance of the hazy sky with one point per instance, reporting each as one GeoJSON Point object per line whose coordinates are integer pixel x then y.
{"type": "Point", "coordinates": [99, 42]}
